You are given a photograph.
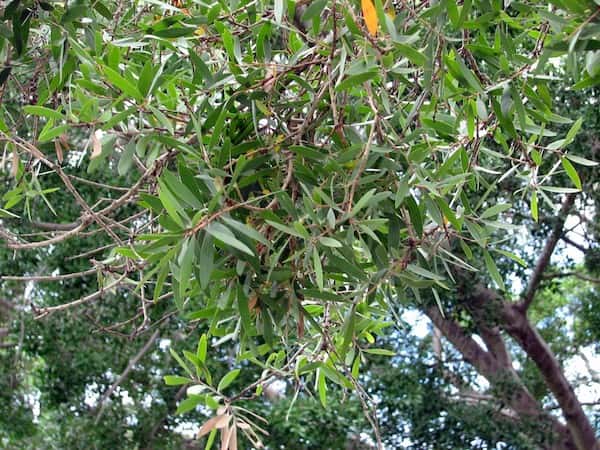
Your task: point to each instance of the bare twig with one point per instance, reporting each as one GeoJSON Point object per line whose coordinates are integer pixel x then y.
{"type": "Point", "coordinates": [43, 312]}
{"type": "Point", "coordinates": [65, 276]}
{"type": "Point", "coordinates": [544, 259]}
{"type": "Point", "coordinates": [132, 362]}
{"type": "Point", "coordinates": [579, 275]}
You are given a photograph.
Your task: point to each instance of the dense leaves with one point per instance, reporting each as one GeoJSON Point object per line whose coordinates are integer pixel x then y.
{"type": "Point", "coordinates": [280, 180]}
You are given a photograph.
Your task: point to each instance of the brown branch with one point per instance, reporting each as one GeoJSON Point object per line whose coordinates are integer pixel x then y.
{"type": "Point", "coordinates": [132, 362]}
{"type": "Point", "coordinates": [519, 398]}
{"type": "Point", "coordinates": [51, 226]}
{"type": "Point", "coordinates": [43, 312]}
{"type": "Point", "coordinates": [579, 275]}
{"type": "Point", "coordinates": [544, 259]}
{"type": "Point", "coordinates": [65, 276]}
{"type": "Point", "coordinates": [572, 243]}
{"type": "Point", "coordinates": [596, 403]}
{"type": "Point", "coordinates": [13, 244]}
{"type": "Point", "coordinates": [490, 333]}
{"type": "Point", "coordinates": [89, 252]}
{"type": "Point", "coordinates": [35, 152]}
{"type": "Point", "coordinates": [472, 352]}
{"type": "Point", "coordinates": [514, 320]}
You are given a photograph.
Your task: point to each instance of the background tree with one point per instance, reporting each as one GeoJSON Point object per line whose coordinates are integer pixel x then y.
{"type": "Point", "coordinates": [292, 177]}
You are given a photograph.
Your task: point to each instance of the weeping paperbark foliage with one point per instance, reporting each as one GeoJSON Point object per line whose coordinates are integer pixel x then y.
{"type": "Point", "coordinates": [293, 175]}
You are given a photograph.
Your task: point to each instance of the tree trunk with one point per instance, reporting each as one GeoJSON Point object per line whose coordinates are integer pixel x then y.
{"type": "Point", "coordinates": [514, 321]}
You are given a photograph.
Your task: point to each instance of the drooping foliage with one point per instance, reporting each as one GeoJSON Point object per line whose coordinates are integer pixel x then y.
{"type": "Point", "coordinates": [279, 181]}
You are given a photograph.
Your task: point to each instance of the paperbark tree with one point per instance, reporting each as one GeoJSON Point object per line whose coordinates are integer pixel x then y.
{"type": "Point", "coordinates": [291, 183]}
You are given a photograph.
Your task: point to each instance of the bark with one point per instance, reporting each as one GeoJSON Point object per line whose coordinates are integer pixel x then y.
{"type": "Point", "coordinates": [514, 321]}
{"type": "Point", "coordinates": [503, 379]}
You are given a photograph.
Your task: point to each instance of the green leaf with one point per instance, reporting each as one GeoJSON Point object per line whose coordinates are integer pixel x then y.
{"type": "Point", "coordinates": [43, 111]}
{"type": "Point", "coordinates": [206, 260]}
{"type": "Point", "coordinates": [581, 161]}
{"type": "Point", "coordinates": [348, 329]}
{"type": "Point", "coordinates": [379, 351]}
{"type": "Point", "coordinates": [180, 362]}
{"type": "Point", "coordinates": [360, 204]}
{"type": "Point", "coordinates": [170, 203]}
{"type": "Point", "coordinates": [246, 230]}
{"type": "Point", "coordinates": [202, 348]}
{"type": "Point", "coordinates": [175, 380]}
{"type": "Point", "coordinates": [559, 190]}
{"type": "Point", "coordinates": [322, 388]}
{"type": "Point", "coordinates": [573, 131]}
{"type": "Point", "coordinates": [330, 242]}
{"type": "Point", "coordinates": [188, 404]}
{"type": "Point", "coordinates": [223, 234]}
{"type": "Point", "coordinates": [464, 13]}
{"type": "Point", "coordinates": [495, 210]}
{"type": "Point", "coordinates": [186, 260]}
{"type": "Point", "coordinates": [126, 86]}
{"type": "Point", "coordinates": [49, 134]}
{"type": "Point", "coordinates": [534, 206]}
{"type": "Point", "coordinates": [424, 272]}
{"type": "Point", "coordinates": [413, 55]}
{"type": "Point", "coordinates": [284, 228]}
{"type": "Point", "coordinates": [313, 10]}
{"type": "Point", "coordinates": [228, 379]}
{"type": "Point", "coordinates": [162, 119]}
{"type": "Point", "coordinates": [469, 77]}
{"type": "Point", "coordinates": [355, 80]}
{"type": "Point", "coordinates": [180, 190]}
{"type": "Point", "coordinates": [512, 256]}
{"type": "Point", "coordinates": [592, 63]}
{"type": "Point", "coordinates": [280, 6]}
{"type": "Point", "coordinates": [244, 310]}
{"type": "Point", "coordinates": [493, 270]}
{"type": "Point", "coordinates": [318, 268]}
{"type": "Point", "coordinates": [415, 214]}
{"type": "Point", "coordinates": [571, 172]}
{"type": "Point", "coordinates": [126, 158]}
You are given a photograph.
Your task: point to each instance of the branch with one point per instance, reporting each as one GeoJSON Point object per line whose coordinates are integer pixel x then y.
{"type": "Point", "coordinates": [517, 395]}
{"type": "Point", "coordinates": [571, 242]}
{"type": "Point", "coordinates": [51, 226]}
{"type": "Point", "coordinates": [514, 320]}
{"type": "Point", "coordinates": [55, 240]}
{"type": "Point", "coordinates": [132, 362]}
{"type": "Point", "coordinates": [572, 274]}
{"type": "Point", "coordinates": [490, 333]}
{"type": "Point", "coordinates": [50, 309]}
{"type": "Point", "coordinates": [466, 345]}
{"type": "Point", "coordinates": [596, 403]}
{"type": "Point", "coordinates": [65, 276]}
{"type": "Point", "coordinates": [555, 235]}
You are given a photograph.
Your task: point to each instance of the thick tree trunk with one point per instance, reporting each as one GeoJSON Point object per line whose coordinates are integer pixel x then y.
{"type": "Point", "coordinates": [512, 318]}
{"type": "Point", "coordinates": [505, 380]}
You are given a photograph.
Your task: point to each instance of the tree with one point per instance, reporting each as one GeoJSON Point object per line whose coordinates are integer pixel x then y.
{"type": "Point", "coordinates": [291, 176]}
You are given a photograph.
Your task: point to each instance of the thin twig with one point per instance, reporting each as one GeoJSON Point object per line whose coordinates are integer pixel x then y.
{"type": "Point", "coordinates": [132, 362]}
{"type": "Point", "coordinates": [43, 312]}
{"type": "Point", "coordinates": [544, 259]}
{"type": "Point", "coordinates": [37, 278]}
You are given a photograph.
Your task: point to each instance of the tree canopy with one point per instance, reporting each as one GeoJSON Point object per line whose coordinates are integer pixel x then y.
{"type": "Point", "coordinates": [225, 209]}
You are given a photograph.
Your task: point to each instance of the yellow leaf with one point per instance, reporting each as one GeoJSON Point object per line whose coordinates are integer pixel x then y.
{"type": "Point", "coordinates": [370, 16]}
